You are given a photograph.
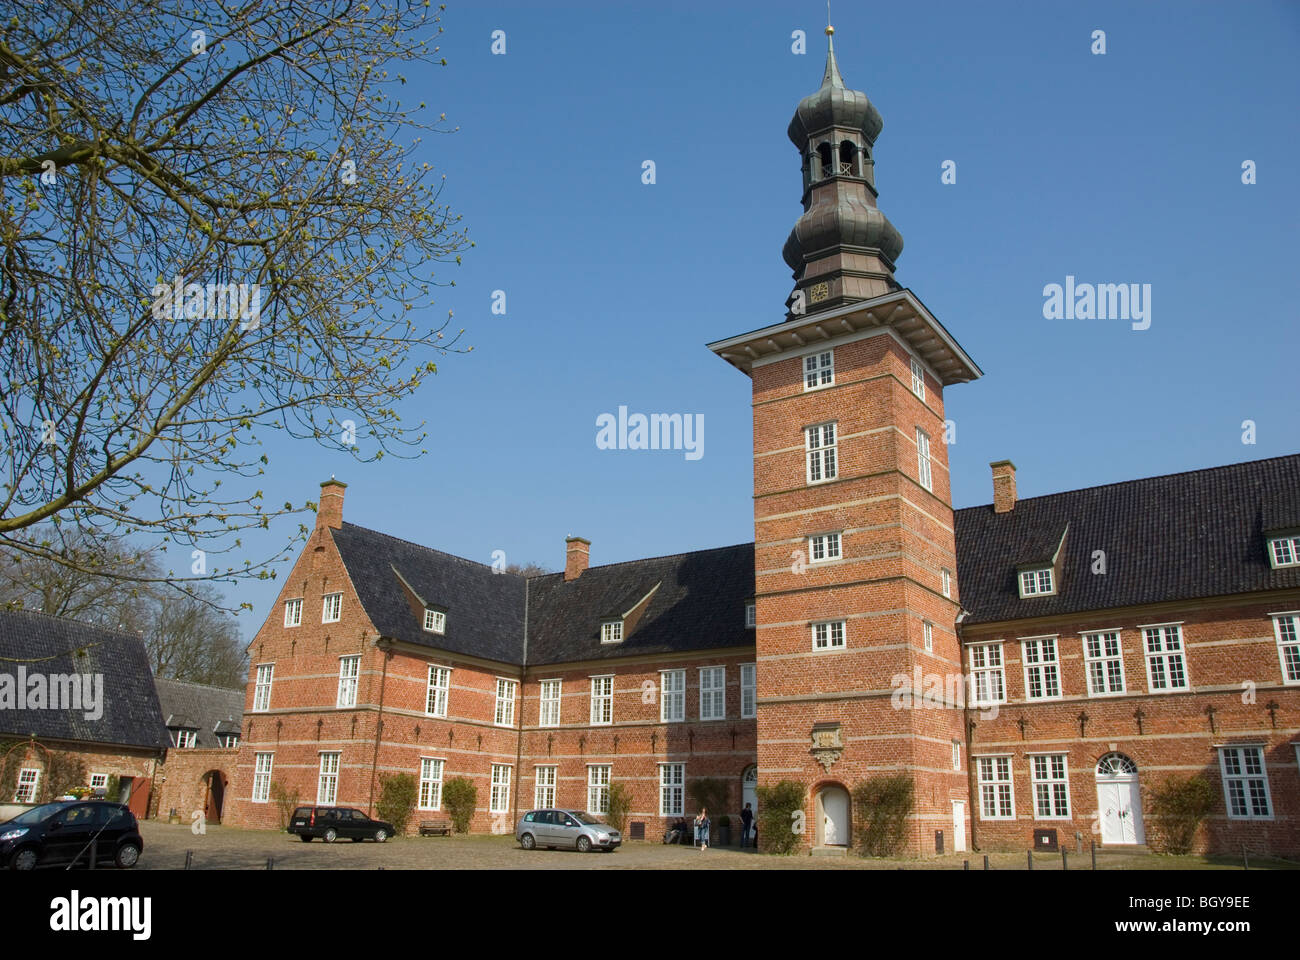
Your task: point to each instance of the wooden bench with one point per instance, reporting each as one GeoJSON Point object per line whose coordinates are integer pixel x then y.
{"type": "Point", "coordinates": [429, 828]}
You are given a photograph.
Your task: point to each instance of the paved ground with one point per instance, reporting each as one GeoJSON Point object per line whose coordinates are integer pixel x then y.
{"type": "Point", "coordinates": [225, 848]}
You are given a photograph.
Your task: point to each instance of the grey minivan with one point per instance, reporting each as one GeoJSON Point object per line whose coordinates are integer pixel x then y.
{"type": "Point", "coordinates": [570, 829]}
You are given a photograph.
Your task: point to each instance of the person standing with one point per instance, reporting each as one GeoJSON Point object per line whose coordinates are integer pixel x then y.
{"type": "Point", "coordinates": [746, 824]}
{"type": "Point", "coordinates": [702, 828]}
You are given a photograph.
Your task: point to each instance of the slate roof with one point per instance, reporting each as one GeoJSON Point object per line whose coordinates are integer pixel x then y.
{"type": "Point", "coordinates": [131, 713]}
{"type": "Point", "coordinates": [1177, 537]}
{"type": "Point", "coordinates": [195, 706]}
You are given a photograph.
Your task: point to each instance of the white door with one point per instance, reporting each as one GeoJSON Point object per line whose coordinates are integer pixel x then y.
{"type": "Point", "coordinates": [1119, 801]}
{"type": "Point", "coordinates": [959, 826]}
{"type": "Point", "coordinates": [835, 817]}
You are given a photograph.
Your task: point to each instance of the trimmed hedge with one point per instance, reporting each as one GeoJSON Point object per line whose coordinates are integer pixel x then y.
{"type": "Point", "coordinates": [881, 807]}
{"type": "Point", "coordinates": [460, 797]}
{"type": "Point", "coordinates": [1178, 808]}
{"type": "Point", "coordinates": [781, 817]}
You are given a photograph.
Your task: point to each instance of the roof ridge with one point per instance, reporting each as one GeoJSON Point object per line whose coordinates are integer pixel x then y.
{"type": "Point", "coordinates": [666, 556]}
{"type": "Point", "coordinates": [421, 546]}
{"type": "Point", "coordinates": [84, 624]}
{"type": "Point", "coordinates": [195, 683]}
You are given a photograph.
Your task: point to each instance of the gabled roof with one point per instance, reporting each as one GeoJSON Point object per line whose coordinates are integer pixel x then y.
{"type": "Point", "coordinates": [195, 706]}
{"type": "Point", "coordinates": [485, 609]}
{"type": "Point", "coordinates": [43, 644]}
{"type": "Point", "coordinates": [1178, 537]}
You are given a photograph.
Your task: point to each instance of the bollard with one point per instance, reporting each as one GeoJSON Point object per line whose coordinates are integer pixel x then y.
{"type": "Point", "coordinates": [986, 861]}
{"type": "Point", "coordinates": [1078, 842]}
{"type": "Point", "coordinates": [1065, 864]}
{"type": "Point", "coordinates": [1094, 854]}
{"type": "Point", "coordinates": [270, 863]}
{"type": "Point", "coordinates": [965, 864]}
{"type": "Point", "coordinates": [189, 859]}
{"type": "Point", "coordinates": [1245, 858]}
{"type": "Point", "coordinates": [1029, 856]}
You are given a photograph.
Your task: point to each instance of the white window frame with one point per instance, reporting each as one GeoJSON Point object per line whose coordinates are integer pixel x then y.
{"type": "Point", "coordinates": [1284, 551]}
{"type": "Point", "coordinates": [602, 700]}
{"type": "Point", "coordinates": [987, 662]}
{"type": "Point", "coordinates": [824, 547]}
{"type": "Point", "coordinates": [818, 370]}
{"type": "Point", "coordinates": [435, 621]}
{"type": "Point", "coordinates": [672, 696]}
{"type": "Point", "coordinates": [956, 754]}
{"type": "Point", "coordinates": [924, 470]}
{"type": "Point", "coordinates": [185, 739]}
{"type": "Point", "coordinates": [713, 693]}
{"type": "Point", "coordinates": [27, 785]}
{"type": "Point", "coordinates": [503, 714]}
{"type": "Point", "coordinates": [499, 797]}
{"type": "Point", "coordinates": [331, 607]}
{"type": "Point", "coordinates": [927, 633]}
{"type": "Point", "coordinates": [1286, 630]}
{"type": "Point", "coordinates": [262, 687]}
{"type": "Point", "coordinates": [826, 636]}
{"type": "Point", "coordinates": [997, 787]}
{"type": "Point", "coordinates": [550, 695]}
{"type": "Point", "coordinates": [598, 775]}
{"type": "Point", "coordinates": [918, 378]}
{"type": "Point", "coordinates": [293, 612]}
{"type": "Point", "coordinates": [437, 691]}
{"type": "Point", "coordinates": [349, 681]}
{"type": "Point", "coordinates": [1041, 659]}
{"type": "Point", "coordinates": [98, 780]}
{"type": "Point", "coordinates": [672, 789]}
{"type": "Point", "coordinates": [545, 777]}
{"type": "Point", "coordinates": [1048, 786]}
{"type": "Point", "coordinates": [262, 776]}
{"type": "Point", "coordinates": [431, 774]}
{"type": "Point", "coordinates": [1103, 660]}
{"type": "Point", "coordinates": [1165, 656]}
{"type": "Point", "coordinates": [945, 581]}
{"type": "Point", "coordinates": [821, 448]}
{"type": "Point", "coordinates": [611, 631]}
{"type": "Point", "coordinates": [751, 615]}
{"type": "Point", "coordinates": [1031, 582]}
{"type": "Point", "coordinates": [327, 782]}
{"type": "Point", "coordinates": [229, 740]}
{"type": "Point", "coordinates": [748, 691]}
{"type": "Point", "coordinates": [1243, 775]}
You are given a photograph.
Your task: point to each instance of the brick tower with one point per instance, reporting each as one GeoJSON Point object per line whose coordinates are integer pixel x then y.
{"type": "Point", "coordinates": [856, 590]}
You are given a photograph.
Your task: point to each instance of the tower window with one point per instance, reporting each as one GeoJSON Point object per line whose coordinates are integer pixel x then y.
{"type": "Point", "coordinates": [847, 152]}
{"type": "Point", "coordinates": [824, 546]}
{"type": "Point", "coordinates": [819, 370]}
{"type": "Point", "coordinates": [824, 154]}
{"type": "Point", "coordinates": [828, 636]}
{"type": "Point", "coordinates": [821, 447]}
{"type": "Point", "coordinates": [918, 378]}
{"type": "Point", "coordinates": [751, 615]}
{"type": "Point", "coordinates": [923, 459]}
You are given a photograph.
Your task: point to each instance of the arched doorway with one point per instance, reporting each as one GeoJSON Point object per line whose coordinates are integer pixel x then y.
{"type": "Point", "coordinates": [1119, 800]}
{"type": "Point", "coordinates": [214, 795]}
{"type": "Point", "coordinates": [833, 827]}
{"type": "Point", "coordinates": [749, 795]}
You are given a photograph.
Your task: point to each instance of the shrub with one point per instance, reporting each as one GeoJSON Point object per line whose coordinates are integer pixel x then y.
{"type": "Point", "coordinates": [780, 817]}
{"type": "Point", "coordinates": [397, 795]}
{"type": "Point", "coordinates": [709, 792]}
{"type": "Point", "coordinates": [1178, 807]}
{"type": "Point", "coordinates": [460, 797]}
{"type": "Point", "coordinates": [620, 805]}
{"type": "Point", "coordinates": [881, 807]}
{"type": "Point", "coordinates": [285, 802]}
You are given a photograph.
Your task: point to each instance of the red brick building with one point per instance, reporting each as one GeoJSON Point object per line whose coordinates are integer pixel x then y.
{"type": "Point", "coordinates": [1111, 637]}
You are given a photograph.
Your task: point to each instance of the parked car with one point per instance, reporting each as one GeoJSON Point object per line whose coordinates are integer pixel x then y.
{"type": "Point", "coordinates": [63, 834]}
{"type": "Point", "coordinates": [570, 829]}
{"type": "Point", "coordinates": [335, 823]}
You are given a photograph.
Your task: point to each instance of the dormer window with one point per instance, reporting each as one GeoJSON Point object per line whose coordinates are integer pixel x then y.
{"type": "Point", "coordinates": [184, 739]}
{"type": "Point", "coordinates": [1037, 582]}
{"type": "Point", "coordinates": [751, 614]}
{"type": "Point", "coordinates": [435, 621]}
{"type": "Point", "coordinates": [228, 740]}
{"type": "Point", "coordinates": [1285, 551]}
{"type": "Point", "coordinates": [611, 631]}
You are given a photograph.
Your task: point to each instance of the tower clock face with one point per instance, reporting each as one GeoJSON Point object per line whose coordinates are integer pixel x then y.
{"type": "Point", "coordinates": [819, 292]}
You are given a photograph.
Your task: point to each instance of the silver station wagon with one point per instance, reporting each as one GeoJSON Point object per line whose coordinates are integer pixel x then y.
{"type": "Point", "coordinates": [567, 829]}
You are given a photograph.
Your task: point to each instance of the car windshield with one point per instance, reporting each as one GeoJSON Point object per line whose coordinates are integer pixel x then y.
{"type": "Point", "coordinates": [37, 814]}
{"type": "Point", "coordinates": [586, 818]}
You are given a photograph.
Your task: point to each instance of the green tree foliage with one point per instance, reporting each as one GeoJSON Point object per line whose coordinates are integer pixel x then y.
{"type": "Point", "coordinates": [620, 805]}
{"type": "Point", "coordinates": [398, 793]}
{"type": "Point", "coordinates": [781, 817]}
{"type": "Point", "coordinates": [881, 807]}
{"type": "Point", "coordinates": [1179, 805]}
{"type": "Point", "coordinates": [460, 797]}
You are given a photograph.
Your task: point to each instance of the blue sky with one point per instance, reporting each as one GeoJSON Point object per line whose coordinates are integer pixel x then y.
{"type": "Point", "coordinates": [1120, 168]}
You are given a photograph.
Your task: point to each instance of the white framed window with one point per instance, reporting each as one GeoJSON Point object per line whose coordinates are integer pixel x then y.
{"type": "Point", "coordinates": [1286, 627]}
{"type": "Point", "coordinates": [29, 779]}
{"type": "Point", "coordinates": [1103, 654]}
{"type": "Point", "coordinates": [997, 793]}
{"type": "Point", "coordinates": [1042, 668]}
{"type": "Point", "coordinates": [918, 378]}
{"type": "Point", "coordinates": [184, 739]}
{"type": "Point", "coordinates": [923, 459]}
{"type": "Point", "coordinates": [927, 629]}
{"type": "Point", "coordinates": [672, 789]}
{"type": "Point", "coordinates": [1037, 582]}
{"type": "Point", "coordinates": [98, 781]}
{"type": "Point", "coordinates": [1245, 783]}
{"type": "Point", "coordinates": [987, 677]}
{"type": "Point", "coordinates": [1166, 668]}
{"type": "Point", "coordinates": [672, 696]}
{"type": "Point", "coordinates": [327, 786]}
{"type": "Point", "coordinates": [945, 582]}
{"type": "Point", "coordinates": [544, 786]}
{"type": "Point", "coordinates": [819, 370]}
{"type": "Point", "coordinates": [823, 546]}
{"type": "Point", "coordinates": [435, 694]}
{"type": "Point", "coordinates": [1051, 780]}
{"type": "Point", "coordinates": [229, 740]}
{"type": "Point", "coordinates": [549, 713]}
{"type": "Point", "coordinates": [956, 754]}
{"type": "Point", "coordinates": [349, 672]}
{"type": "Point", "coordinates": [598, 788]}
{"type": "Point", "coordinates": [602, 700]}
{"type": "Point", "coordinates": [504, 715]}
{"type": "Point", "coordinates": [430, 783]}
{"type": "Point", "coordinates": [611, 631]}
{"type": "Point", "coordinates": [435, 621]}
{"type": "Point", "coordinates": [713, 693]}
{"type": "Point", "coordinates": [262, 689]}
{"type": "Point", "coordinates": [331, 608]}
{"type": "Point", "coordinates": [821, 448]}
{"type": "Point", "coordinates": [828, 635]}
{"type": "Point", "coordinates": [748, 690]}
{"type": "Point", "coordinates": [500, 798]}
{"type": "Point", "coordinates": [293, 612]}
{"type": "Point", "coordinates": [1285, 551]}
{"type": "Point", "coordinates": [751, 614]}
{"type": "Point", "coordinates": [262, 763]}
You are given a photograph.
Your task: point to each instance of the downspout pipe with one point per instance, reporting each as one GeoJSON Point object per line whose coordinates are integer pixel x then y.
{"type": "Point", "coordinates": [386, 649]}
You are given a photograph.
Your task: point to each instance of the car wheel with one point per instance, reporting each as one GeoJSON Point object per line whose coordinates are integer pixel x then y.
{"type": "Point", "coordinates": [381, 835]}
{"type": "Point", "coordinates": [305, 838]}
{"type": "Point", "coordinates": [128, 855]}
{"type": "Point", "coordinates": [23, 860]}
{"type": "Point", "coordinates": [331, 835]}
{"type": "Point", "coordinates": [528, 842]}
{"type": "Point", "coordinates": [584, 844]}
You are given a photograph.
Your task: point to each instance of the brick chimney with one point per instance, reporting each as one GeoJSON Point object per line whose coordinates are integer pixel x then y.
{"type": "Point", "coordinates": [330, 511]}
{"type": "Point", "coordinates": [577, 554]}
{"type": "Point", "coordinates": [1004, 486]}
